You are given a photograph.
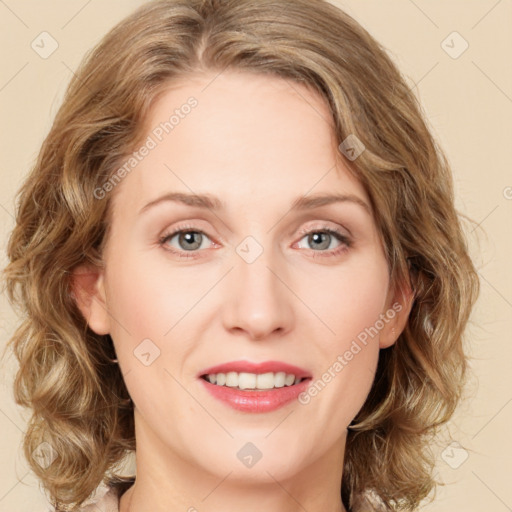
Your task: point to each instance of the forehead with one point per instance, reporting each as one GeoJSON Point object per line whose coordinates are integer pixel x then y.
{"type": "Point", "coordinates": [242, 136]}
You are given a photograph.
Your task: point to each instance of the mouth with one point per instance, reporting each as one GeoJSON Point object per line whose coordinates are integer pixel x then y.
{"type": "Point", "coordinates": [245, 381]}
{"type": "Point", "coordinates": [255, 387]}
{"type": "Point", "coordinates": [250, 376]}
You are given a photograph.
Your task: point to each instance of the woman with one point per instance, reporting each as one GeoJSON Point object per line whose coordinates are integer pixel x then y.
{"type": "Point", "coordinates": [176, 302]}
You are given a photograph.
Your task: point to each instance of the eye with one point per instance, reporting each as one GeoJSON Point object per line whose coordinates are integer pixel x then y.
{"type": "Point", "coordinates": [188, 239]}
{"type": "Point", "coordinates": [322, 239]}
{"type": "Point", "coordinates": [184, 239]}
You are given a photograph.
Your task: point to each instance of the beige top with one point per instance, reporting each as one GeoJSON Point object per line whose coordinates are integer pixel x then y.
{"type": "Point", "coordinates": [106, 499]}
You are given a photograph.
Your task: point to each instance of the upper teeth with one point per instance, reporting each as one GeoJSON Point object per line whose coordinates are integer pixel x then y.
{"type": "Point", "coordinates": [253, 380]}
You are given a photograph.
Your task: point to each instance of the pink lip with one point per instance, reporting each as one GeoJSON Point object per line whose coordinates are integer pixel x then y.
{"type": "Point", "coordinates": [256, 401]}
{"type": "Point", "coordinates": [264, 367]}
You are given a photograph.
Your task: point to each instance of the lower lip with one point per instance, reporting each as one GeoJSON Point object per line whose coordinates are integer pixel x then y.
{"type": "Point", "coordinates": [256, 401]}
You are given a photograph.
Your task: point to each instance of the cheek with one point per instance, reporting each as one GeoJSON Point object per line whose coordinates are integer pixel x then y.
{"type": "Point", "coordinates": [351, 298]}
{"type": "Point", "coordinates": [350, 304]}
{"type": "Point", "coordinates": [147, 299]}
{"type": "Point", "coordinates": [145, 303]}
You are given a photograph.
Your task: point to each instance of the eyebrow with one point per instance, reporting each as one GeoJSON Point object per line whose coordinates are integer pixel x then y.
{"type": "Point", "coordinates": [210, 202]}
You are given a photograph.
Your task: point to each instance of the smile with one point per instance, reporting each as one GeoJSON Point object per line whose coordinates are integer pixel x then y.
{"type": "Point", "coordinates": [253, 381]}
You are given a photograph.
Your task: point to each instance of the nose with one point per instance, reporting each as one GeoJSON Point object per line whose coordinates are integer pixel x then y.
{"type": "Point", "coordinates": [258, 303]}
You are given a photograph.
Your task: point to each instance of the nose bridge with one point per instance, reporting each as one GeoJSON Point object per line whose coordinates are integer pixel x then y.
{"type": "Point", "coordinates": [258, 301]}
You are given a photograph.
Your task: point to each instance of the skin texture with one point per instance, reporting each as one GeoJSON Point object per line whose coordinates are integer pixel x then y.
{"type": "Point", "coordinates": [258, 143]}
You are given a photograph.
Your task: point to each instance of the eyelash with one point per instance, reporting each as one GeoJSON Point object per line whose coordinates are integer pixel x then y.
{"type": "Point", "coordinates": [345, 241]}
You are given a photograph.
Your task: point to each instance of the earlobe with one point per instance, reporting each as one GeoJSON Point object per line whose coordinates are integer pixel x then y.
{"type": "Point", "coordinates": [397, 316]}
{"type": "Point", "coordinates": [88, 290]}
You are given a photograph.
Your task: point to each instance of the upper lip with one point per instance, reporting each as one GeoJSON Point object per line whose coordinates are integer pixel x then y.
{"type": "Point", "coordinates": [263, 367]}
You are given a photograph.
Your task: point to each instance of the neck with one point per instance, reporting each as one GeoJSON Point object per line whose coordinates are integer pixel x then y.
{"type": "Point", "coordinates": [134, 499]}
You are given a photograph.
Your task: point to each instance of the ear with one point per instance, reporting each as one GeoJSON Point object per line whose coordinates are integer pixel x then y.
{"type": "Point", "coordinates": [88, 290]}
{"type": "Point", "coordinates": [399, 304]}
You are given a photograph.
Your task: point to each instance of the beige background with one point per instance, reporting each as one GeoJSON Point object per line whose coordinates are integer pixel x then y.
{"type": "Point", "coordinates": [468, 101]}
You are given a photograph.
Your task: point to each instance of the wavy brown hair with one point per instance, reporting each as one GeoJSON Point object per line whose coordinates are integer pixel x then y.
{"type": "Point", "coordinates": [79, 403]}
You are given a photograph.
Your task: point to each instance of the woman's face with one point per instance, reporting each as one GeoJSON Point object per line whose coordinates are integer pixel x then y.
{"type": "Point", "coordinates": [254, 277]}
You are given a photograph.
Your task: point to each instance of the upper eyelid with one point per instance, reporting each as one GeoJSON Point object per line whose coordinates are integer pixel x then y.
{"type": "Point", "coordinates": [326, 226]}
